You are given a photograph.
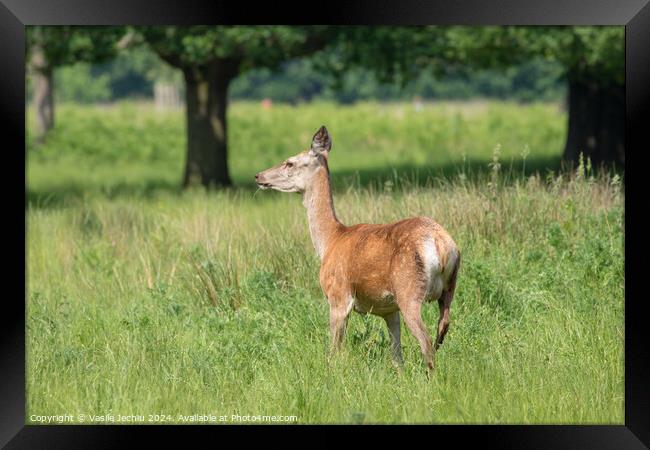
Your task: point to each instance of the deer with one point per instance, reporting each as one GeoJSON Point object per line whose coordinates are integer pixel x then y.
{"type": "Point", "coordinates": [379, 269]}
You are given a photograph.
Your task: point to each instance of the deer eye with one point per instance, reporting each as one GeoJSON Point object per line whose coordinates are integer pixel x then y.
{"type": "Point", "coordinates": [288, 165]}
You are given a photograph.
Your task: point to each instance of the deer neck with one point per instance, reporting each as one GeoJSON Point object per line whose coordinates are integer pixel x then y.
{"type": "Point", "coordinates": [323, 224]}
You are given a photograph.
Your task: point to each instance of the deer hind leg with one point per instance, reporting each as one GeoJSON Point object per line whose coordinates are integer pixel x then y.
{"type": "Point", "coordinates": [392, 321]}
{"type": "Point", "coordinates": [413, 319]}
{"type": "Point", "coordinates": [444, 302]}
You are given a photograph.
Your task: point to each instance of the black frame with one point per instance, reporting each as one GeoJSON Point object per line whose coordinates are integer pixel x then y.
{"type": "Point", "coordinates": [634, 14]}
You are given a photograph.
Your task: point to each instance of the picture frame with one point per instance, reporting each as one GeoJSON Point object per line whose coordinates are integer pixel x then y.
{"type": "Point", "coordinates": [633, 14]}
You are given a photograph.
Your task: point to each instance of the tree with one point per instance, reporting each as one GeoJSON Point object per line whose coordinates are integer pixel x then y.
{"type": "Point", "coordinates": [49, 47]}
{"type": "Point", "coordinates": [593, 61]}
{"type": "Point", "coordinates": [210, 57]}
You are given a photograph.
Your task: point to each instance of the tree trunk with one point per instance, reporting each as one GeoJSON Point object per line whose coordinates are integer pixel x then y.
{"type": "Point", "coordinates": [43, 100]}
{"type": "Point", "coordinates": [206, 103]}
{"type": "Point", "coordinates": [596, 123]}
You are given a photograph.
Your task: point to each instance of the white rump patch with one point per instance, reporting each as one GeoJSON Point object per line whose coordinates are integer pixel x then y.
{"type": "Point", "coordinates": [431, 261]}
{"type": "Point", "coordinates": [430, 256]}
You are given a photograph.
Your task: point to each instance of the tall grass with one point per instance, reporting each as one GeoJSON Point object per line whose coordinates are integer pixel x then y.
{"type": "Point", "coordinates": [195, 302]}
{"type": "Point", "coordinates": [128, 148]}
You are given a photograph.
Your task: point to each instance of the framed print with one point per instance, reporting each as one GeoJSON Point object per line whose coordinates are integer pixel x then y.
{"type": "Point", "coordinates": [462, 171]}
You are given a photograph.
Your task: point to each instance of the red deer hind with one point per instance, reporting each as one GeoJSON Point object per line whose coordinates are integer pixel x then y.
{"type": "Point", "coordinates": [382, 269]}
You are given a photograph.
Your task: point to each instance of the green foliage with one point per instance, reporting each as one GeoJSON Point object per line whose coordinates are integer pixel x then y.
{"type": "Point", "coordinates": [128, 147]}
{"type": "Point", "coordinates": [117, 134]}
{"type": "Point", "coordinates": [78, 83]}
{"type": "Point", "coordinates": [134, 71]}
{"type": "Point", "coordinates": [143, 61]}
{"type": "Point", "coordinates": [250, 46]}
{"type": "Point", "coordinates": [393, 52]}
{"type": "Point", "coordinates": [156, 301]}
{"type": "Point", "coordinates": [596, 53]}
{"type": "Point", "coordinates": [294, 81]}
{"type": "Point", "coordinates": [590, 52]}
{"type": "Point", "coordinates": [68, 44]}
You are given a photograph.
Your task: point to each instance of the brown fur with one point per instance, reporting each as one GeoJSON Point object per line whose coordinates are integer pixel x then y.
{"type": "Point", "coordinates": [374, 268]}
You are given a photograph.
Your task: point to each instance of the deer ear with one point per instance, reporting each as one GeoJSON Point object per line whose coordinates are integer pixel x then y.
{"type": "Point", "coordinates": [321, 143]}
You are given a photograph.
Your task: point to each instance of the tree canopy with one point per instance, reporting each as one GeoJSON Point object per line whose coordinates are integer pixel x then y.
{"type": "Point", "coordinates": [210, 57]}
{"type": "Point", "coordinates": [63, 45]}
{"type": "Point", "coordinates": [250, 46]}
{"type": "Point", "coordinates": [401, 52]}
{"type": "Point", "coordinates": [584, 52]}
{"type": "Point", "coordinates": [592, 61]}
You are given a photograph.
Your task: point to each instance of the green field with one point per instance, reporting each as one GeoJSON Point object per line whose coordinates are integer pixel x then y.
{"type": "Point", "coordinates": [143, 299]}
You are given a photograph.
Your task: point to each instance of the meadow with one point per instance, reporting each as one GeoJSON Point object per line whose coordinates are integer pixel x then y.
{"type": "Point", "coordinates": [145, 299]}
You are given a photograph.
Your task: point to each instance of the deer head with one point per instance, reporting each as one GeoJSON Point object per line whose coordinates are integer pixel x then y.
{"type": "Point", "coordinates": [296, 173]}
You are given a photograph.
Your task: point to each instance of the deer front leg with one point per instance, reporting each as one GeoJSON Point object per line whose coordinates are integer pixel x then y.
{"type": "Point", "coordinates": [392, 321]}
{"type": "Point", "coordinates": [340, 307]}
